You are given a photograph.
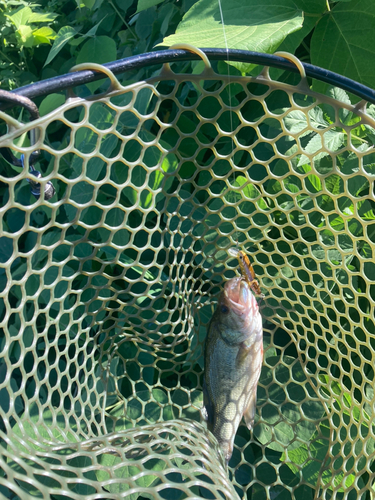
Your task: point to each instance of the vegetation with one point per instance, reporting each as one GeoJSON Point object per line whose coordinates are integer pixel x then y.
{"type": "Point", "coordinates": [46, 39]}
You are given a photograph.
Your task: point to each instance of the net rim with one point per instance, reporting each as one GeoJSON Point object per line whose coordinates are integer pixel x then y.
{"type": "Point", "coordinates": [64, 82]}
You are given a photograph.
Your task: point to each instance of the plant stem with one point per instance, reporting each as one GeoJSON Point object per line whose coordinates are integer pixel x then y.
{"type": "Point", "coordinates": [328, 7]}
{"type": "Point", "coordinates": [10, 60]}
{"type": "Point", "coordinates": [122, 18]}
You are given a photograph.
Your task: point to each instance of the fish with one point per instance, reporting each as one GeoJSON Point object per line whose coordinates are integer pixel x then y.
{"type": "Point", "coordinates": [247, 270]}
{"type": "Point", "coordinates": [233, 357]}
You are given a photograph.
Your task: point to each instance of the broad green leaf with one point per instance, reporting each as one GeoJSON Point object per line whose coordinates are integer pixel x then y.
{"type": "Point", "coordinates": [348, 32]}
{"type": "Point", "coordinates": [145, 4]}
{"type": "Point", "coordinates": [41, 422]}
{"type": "Point", "coordinates": [124, 473]}
{"type": "Point", "coordinates": [62, 38]}
{"type": "Point", "coordinates": [296, 122]}
{"type": "Point", "coordinates": [20, 17]}
{"type": "Point", "coordinates": [100, 49]}
{"type": "Point", "coordinates": [93, 30]}
{"type": "Point", "coordinates": [25, 34]}
{"type": "Point", "coordinates": [51, 102]}
{"type": "Point", "coordinates": [294, 40]}
{"type": "Point", "coordinates": [249, 25]}
{"type": "Point", "coordinates": [85, 140]}
{"type": "Point", "coordinates": [312, 7]}
{"type": "Point", "coordinates": [340, 95]}
{"type": "Point", "coordinates": [43, 35]}
{"type": "Point", "coordinates": [315, 182]}
{"type": "Point", "coordinates": [89, 3]}
{"type": "Point", "coordinates": [42, 17]}
{"type": "Point", "coordinates": [184, 409]}
{"type": "Point", "coordinates": [334, 139]}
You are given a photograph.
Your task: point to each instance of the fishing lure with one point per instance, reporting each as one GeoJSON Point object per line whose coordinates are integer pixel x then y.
{"type": "Point", "coordinates": [247, 270]}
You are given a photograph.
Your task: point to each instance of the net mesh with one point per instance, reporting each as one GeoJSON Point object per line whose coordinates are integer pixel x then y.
{"type": "Point", "coordinates": [107, 289]}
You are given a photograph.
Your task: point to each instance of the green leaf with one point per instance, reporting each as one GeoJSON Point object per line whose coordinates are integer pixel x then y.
{"type": "Point", "coordinates": [42, 17]}
{"type": "Point", "coordinates": [249, 25]}
{"type": "Point", "coordinates": [6, 249]}
{"type": "Point", "coordinates": [348, 31]}
{"type": "Point", "coordinates": [317, 119]}
{"type": "Point", "coordinates": [25, 34]}
{"type": "Point", "coordinates": [94, 29]}
{"type": "Point", "coordinates": [124, 473]}
{"type": "Point", "coordinates": [310, 460]}
{"type": "Point", "coordinates": [20, 17]}
{"type": "Point", "coordinates": [100, 49]}
{"type": "Point", "coordinates": [315, 7]}
{"type": "Point", "coordinates": [333, 140]}
{"type": "Point", "coordinates": [315, 182]}
{"type": "Point", "coordinates": [88, 3]}
{"type": "Point", "coordinates": [296, 122]}
{"type": "Point", "coordinates": [51, 102]}
{"type": "Point", "coordinates": [286, 396]}
{"type": "Point", "coordinates": [38, 422]}
{"type": "Point", "coordinates": [43, 35]}
{"type": "Point", "coordinates": [294, 40]}
{"type": "Point", "coordinates": [62, 38]}
{"type": "Point", "coordinates": [145, 4]}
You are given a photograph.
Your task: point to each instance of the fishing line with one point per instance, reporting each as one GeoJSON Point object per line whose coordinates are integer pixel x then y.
{"type": "Point", "coordinates": [230, 113]}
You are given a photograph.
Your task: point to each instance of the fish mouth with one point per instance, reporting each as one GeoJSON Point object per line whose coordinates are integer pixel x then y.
{"type": "Point", "coordinates": [237, 293]}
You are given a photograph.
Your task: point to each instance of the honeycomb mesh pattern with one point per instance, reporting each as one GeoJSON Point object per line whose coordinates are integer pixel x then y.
{"type": "Point", "coordinates": [107, 289]}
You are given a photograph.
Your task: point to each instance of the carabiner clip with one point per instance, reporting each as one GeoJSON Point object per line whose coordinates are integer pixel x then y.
{"type": "Point", "coordinates": [49, 190]}
{"type": "Point", "coordinates": [15, 99]}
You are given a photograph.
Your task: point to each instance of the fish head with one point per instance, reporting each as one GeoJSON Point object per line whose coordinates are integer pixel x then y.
{"type": "Point", "coordinates": [237, 304]}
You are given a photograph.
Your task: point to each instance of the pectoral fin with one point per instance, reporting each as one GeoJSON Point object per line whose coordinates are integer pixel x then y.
{"type": "Point", "coordinates": [243, 352]}
{"type": "Point", "coordinates": [250, 410]}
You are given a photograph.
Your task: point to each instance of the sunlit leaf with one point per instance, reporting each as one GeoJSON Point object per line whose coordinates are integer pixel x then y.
{"type": "Point", "coordinates": [62, 38]}
{"type": "Point", "coordinates": [249, 25]}
{"type": "Point", "coordinates": [348, 32]}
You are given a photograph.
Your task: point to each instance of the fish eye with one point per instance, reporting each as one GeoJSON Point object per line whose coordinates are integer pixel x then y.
{"type": "Point", "coordinates": [224, 309]}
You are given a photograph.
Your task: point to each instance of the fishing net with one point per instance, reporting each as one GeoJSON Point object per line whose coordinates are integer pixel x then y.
{"type": "Point", "coordinates": [107, 288]}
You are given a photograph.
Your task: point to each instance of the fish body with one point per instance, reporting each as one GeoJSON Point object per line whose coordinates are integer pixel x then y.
{"type": "Point", "coordinates": [247, 270]}
{"type": "Point", "coordinates": [233, 360]}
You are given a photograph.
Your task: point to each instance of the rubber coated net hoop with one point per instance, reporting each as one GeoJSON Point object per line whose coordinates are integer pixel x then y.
{"type": "Point", "coordinates": [107, 289]}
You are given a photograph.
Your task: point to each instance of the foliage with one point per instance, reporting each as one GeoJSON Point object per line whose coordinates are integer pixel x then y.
{"type": "Point", "coordinates": [46, 39]}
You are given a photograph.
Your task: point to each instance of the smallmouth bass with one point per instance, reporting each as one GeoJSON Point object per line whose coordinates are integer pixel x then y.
{"type": "Point", "coordinates": [232, 363]}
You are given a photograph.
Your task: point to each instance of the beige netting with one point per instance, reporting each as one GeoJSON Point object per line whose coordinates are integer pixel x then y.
{"type": "Point", "coordinates": [107, 289]}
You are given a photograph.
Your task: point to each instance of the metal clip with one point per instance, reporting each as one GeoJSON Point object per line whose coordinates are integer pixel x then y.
{"type": "Point", "coordinates": [49, 190]}
{"type": "Point", "coordinates": [14, 99]}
